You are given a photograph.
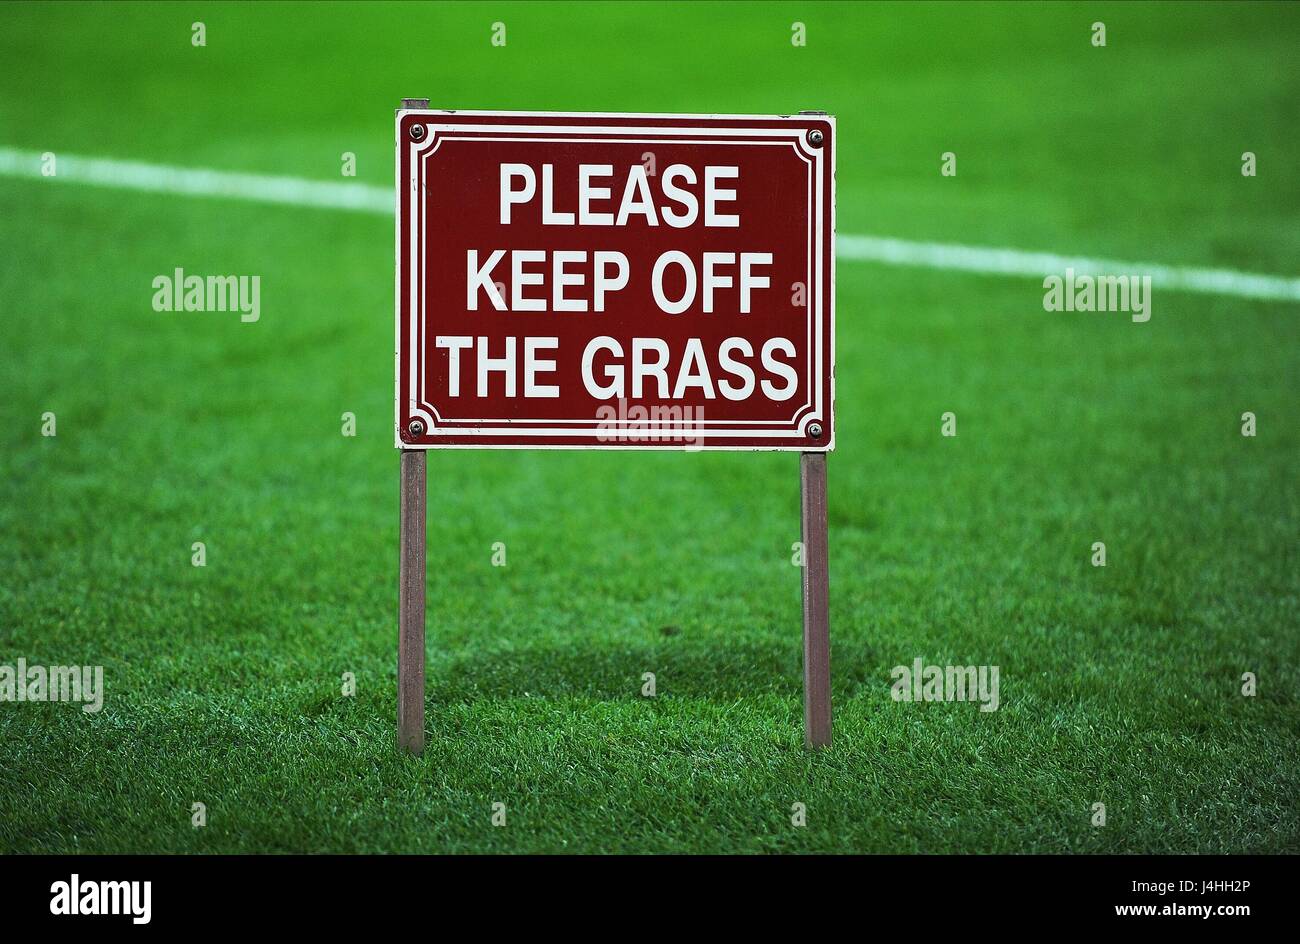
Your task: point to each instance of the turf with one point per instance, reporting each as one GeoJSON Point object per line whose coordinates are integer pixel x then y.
{"type": "Point", "coordinates": [1119, 684]}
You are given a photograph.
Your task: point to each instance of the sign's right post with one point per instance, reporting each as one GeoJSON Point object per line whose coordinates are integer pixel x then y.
{"type": "Point", "coordinates": [816, 594]}
{"type": "Point", "coordinates": [816, 602]}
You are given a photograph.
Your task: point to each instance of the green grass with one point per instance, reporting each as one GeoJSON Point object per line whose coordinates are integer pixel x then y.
{"type": "Point", "coordinates": [1118, 685]}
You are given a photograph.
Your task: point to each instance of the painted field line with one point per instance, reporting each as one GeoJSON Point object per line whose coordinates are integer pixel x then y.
{"type": "Point", "coordinates": [1038, 265]}
{"type": "Point", "coordinates": [199, 182]}
{"type": "Point", "coordinates": [367, 198]}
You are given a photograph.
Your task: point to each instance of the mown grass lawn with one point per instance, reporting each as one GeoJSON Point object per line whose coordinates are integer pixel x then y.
{"type": "Point", "coordinates": [1119, 685]}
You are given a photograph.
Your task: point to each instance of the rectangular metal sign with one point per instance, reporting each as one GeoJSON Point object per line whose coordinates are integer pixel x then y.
{"type": "Point", "coordinates": [615, 281]}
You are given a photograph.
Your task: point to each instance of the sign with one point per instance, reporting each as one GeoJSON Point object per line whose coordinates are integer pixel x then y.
{"type": "Point", "coordinates": [615, 281]}
{"type": "Point", "coordinates": [586, 281]}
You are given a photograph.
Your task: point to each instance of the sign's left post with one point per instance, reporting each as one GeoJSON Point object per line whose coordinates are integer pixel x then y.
{"type": "Point", "coordinates": [410, 603]}
{"type": "Point", "coordinates": [411, 577]}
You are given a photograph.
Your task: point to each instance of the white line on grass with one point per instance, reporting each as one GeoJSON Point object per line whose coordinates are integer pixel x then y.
{"type": "Point", "coordinates": [198, 182]}
{"type": "Point", "coordinates": [1040, 264]}
{"type": "Point", "coordinates": [367, 198]}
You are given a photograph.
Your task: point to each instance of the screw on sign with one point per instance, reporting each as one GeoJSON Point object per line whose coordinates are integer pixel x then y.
{"type": "Point", "coordinates": [592, 281]}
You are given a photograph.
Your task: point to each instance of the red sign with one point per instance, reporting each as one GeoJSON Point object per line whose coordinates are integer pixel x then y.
{"type": "Point", "coordinates": [615, 281]}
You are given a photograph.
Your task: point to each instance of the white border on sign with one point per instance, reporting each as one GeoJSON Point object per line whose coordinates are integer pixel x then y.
{"type": "Point", "coordinates": [429, 412]}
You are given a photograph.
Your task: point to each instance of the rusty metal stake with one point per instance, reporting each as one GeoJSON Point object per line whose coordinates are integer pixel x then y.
{"type": "Point", "coordinates": [410, 602]}
{"type": "Point", "coordinates": [816, 602]}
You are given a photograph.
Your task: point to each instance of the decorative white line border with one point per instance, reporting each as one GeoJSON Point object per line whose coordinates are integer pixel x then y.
{"type": "Point", "coordinates": [430, 413]}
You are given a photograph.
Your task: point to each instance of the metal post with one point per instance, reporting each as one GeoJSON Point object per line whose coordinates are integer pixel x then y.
{"type": "Point", "coordinates": [816, 602]}
{"type": "Point", "coordinates": [410, 603]}
{"type": "Point", "coordinates": [411, 577]}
